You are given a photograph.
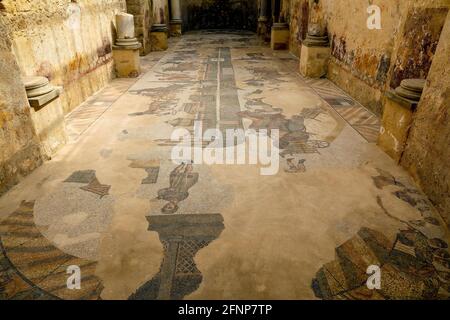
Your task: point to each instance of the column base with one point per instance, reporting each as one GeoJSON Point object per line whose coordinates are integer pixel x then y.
{"type": "Point", "coordinates": [397, 119]}
{"type": "Point", "coordinates": [314, 61]}
{"type": "Point", "coordinates": [158, 37]}
{"type": "Point", "coordinates": [127, 61]}
{"type": "Point", "coordinates": [176, 29]}
{"type": "Point", "coordinates": [279, 39]}
{"type": "Point", "coordinates": [262, 26]}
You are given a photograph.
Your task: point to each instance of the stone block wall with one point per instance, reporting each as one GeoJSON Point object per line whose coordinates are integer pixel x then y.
{"type": "Point", "coordinates": [68, 42]}
{"type": "Point", "coordinates": [364, 62]}
{"type": "Point", "coordinates": [143, 17]}
{"type": "Point", "coordinates": [19, 147]}
{"type": "Point", "coordinates": [299, 19]}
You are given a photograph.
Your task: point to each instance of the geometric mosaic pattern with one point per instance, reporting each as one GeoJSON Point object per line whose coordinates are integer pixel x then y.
{"type": "Point", "coordinates": [362, 120]}
{"type": "Point", "coordinates": [31, 267]}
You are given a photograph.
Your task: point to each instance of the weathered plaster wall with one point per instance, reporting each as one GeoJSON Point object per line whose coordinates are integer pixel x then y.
{"type": "Point", "coordinates": [417, 43]}
{"type": "Point", "coordinates": [161, 13]}
{"type": "Point", "coordinates": [367, 62]}
{"type": "Point", "coordinates": [299, 19]}
{"type": "Point", "coordinates": [427, 152]}
{"type": "Point", "coordinates": [19, 148]}
{"type": "Point", "coordinates": [363, 60]}
{"type": "Point", "coordinates": [219, 14]}
{"type": "Point", "coordinates": [67, 41]}
{"type": "Point", "coordinates": [361, 57]}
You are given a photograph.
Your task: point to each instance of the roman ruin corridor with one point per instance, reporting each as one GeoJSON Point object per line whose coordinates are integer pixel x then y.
{"type": "Point", "coordinates": [139, 226]}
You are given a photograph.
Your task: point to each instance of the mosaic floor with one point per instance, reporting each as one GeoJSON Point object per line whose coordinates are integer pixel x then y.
{"type": "Point", "coordinates": [141, 227]}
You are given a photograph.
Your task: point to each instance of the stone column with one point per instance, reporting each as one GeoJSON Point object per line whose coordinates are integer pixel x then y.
{"type": "Point", "coordinates": [315, 53]}
{"type": "Point", "coordinates": [176, 20]}
{"type": "Point", "coordinates": [126, 50]}
{"type": "Point", "coordinates": [263, 17]}
{"type": "Point", "coordinates": [159, 30]}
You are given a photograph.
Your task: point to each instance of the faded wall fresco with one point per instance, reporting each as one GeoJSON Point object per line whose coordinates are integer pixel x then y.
{"type": "Point", "coordinates": [418, 44]}
{"type": "Point", "coordinates": [366, 62]}
{"type": "Point", "coordinates": [219, 14]}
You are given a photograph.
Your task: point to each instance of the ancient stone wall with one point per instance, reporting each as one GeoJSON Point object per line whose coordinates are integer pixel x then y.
{"type": "Point", "coordinates": [219, 14]}
{"type": "Point", "coordinates": [364, 62]}
{"type": "Point", "coordinates": [299, 19]}
{"type": "Point", "coordinates": [143, 18]}
{"type": "Point", "coordinates": [427, 152]}
{"type": "Point", "coordinates": [67, 41]}
{"type": "Point", "coordinates": [161, 13]}
{"type": "Point", "coordinates": [19, 148]}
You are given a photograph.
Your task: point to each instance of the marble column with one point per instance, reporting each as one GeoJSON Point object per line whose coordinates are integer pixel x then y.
{"type": "Point", "coordinates": [127, 48]}
{"type": "Point", "coordinates": [159, 30]}
{"type": "Point", "coordinates": [175, 21]}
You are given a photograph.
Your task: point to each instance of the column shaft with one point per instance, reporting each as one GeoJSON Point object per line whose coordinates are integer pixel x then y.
{"type": "Point", "coordinates": [175, 10]}
{"type": "Point", "coordinates": [263, 9]}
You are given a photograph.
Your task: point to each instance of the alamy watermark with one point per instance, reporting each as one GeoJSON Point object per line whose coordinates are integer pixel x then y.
{"type": "Point", "coordinates": [374, 20]}
{"type": "Point", "coordinates": [74, 280]}
{"type": "Point", "coordinates": [374, 280]}
{"type": "Point", "coordinates": [232, 147]}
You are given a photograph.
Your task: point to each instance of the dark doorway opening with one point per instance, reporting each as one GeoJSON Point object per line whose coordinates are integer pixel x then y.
{"type": "Point", "coordinates": [220, 14]}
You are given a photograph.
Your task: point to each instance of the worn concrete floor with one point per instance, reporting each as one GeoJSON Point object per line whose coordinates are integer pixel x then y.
{"type": "Point", "coordinates": [140, 227]}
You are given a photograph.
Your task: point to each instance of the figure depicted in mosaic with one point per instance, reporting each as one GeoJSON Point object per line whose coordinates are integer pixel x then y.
{"type": "Point", "coordinates": [182, 237]}
{"type": "Point", "coordinates": [294, 138]}
{"type": "Point", "coordinates": [182, 178]}
{"type": "Point", "coordinates": [416, 265]}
